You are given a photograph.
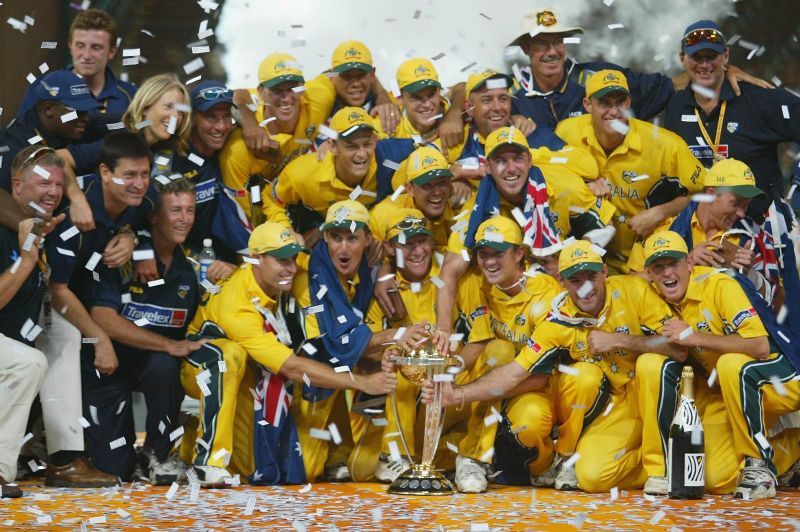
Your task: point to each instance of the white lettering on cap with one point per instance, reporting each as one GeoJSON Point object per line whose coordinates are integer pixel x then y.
{"type": "Point", "coordinates": [78, 90]}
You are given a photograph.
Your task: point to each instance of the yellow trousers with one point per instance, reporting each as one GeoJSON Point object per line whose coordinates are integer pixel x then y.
{"type": "Point", "coordinates": [308, 415]}
{"type": "Point", "coordinates": [225, 428]}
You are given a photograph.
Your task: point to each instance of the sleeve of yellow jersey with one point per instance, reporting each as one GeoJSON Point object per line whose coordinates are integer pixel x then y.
{"type": "Point", "coordinates": [235, 161]}
{"type": "Point", "coordinates": [377, 218]}
{"type": "Point", "coordinates": [285, 189]}
{"type": "Point", "coordinates": [245, 326]}
{"type": "Point", "coordinates": [374, 318]}
{"type": "Point", "coordinates": [544, 348]}
{"type": "Point", "coordinates": [472, 304]}
{"type": "Point", "coordinates": [321, 96]}
{"type": "Point", "coordinates": [736, 310]}
{"type": "Point", "coordinates": [653, 311]}
{"type": "Point", "coordinates": [685, 165]}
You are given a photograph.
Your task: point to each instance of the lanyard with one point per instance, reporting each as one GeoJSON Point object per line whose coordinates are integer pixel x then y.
{"type": "Point", "coordinates": [717, 134]}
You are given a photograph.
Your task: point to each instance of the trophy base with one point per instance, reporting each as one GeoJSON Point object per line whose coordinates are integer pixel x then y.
{"type": "Point", "coordinates": [421, 480]}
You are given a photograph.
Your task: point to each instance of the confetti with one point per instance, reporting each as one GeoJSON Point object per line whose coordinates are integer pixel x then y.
{"type": "Point", "coordinates": [686, 333]}
{"type": "Point", "coordinates": [119, 442]}
{"type": "Point", "coordinates": [704, 198]}
{"type": "Point", "coordinates": [569, 370]}
{"type": "Point", "coordinates": [780, 388]}
{"type": "Point", "coordinates": [712, 378]}
{"type": "Point", "coordinates": [173, 489]}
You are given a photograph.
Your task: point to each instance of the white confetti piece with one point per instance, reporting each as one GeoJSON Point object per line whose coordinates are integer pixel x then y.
{"type": "Point", "coordinates": [193, 66]}
{"type": "Point", "coordinates": [703, 91]}
{"type": "Point", "coordinates": [703, 198]}
{"type": "Point", "coordinates": [173, 489]}
{"type": "Point", "coordinates": [49, 45]}
{"type": "Point", "coordinates": [658, 516]}
{"type": "Point", "coordinates": [305, 489]}
{"type": "Point", "coordinates": [83, 422]}
{"type": "Point", "coordinates": [780, 388]}
{"type": "Point", "coordinates": [762, 440]}
{"type": "Point", "coordinates": [335, 436]}
{"type": "Point", "coordinates": [569, 370]}
{"type": "Point", "coordinates": [115, 444]}
{"type": "Point", "coordinates": [91, 264]}
{"type": "Point", "coordinates": [785, 111]}
{"type": "Point", "coordinates": [97, 520]}
{"type": "Point", "coordinates": [443, 377]}
{"type": "Point", "coordinates": [341, 369]}
{"type": "Point", "coordinates": [175, 434]}
{"type": "Point", "coordinates": [394, 451]}
{"type": "Point", "coordinates": [608, 408]}
{"type": "Point", "coordinates": [782, 313]}
{"type": "Point", "coordinates": [69, 233]}
{"type": "Point", "coordinates": [319, 434]}
{"type": "Point", "coordinates": [712, 378]}
{"type": "Point", "coordinates": [144, 254]}
{"type": "Point", "coordinates": [122, 513]}
{"type": "Point", "coordinates": [156, 282]}
{"type": "Point", "coordinates": [251, 505]}
{"type": "Point", "coordinates": [585, 289]}
{"type": "Point", "coordinates": [686, 333]}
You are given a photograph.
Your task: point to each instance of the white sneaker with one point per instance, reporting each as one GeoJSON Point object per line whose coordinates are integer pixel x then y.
{"type": "Point", "coordinates": [548, 478]}
{"type": "Point", "coordinates": [470, 475]}
{"type": "Point", "coordinates": [164, 473]}
{"type": "Point", "coordinates": [389, 469]}
{"type": "Point", "coordinates": [566, 479]}
{"type": "Point", "coordinates": [213, 477]}
{"type": "Point", "coordinates": [656, 486]}
{"type": "Point", "coordinates": [337, 473]}
{"type": "Point", "coordinates": [757, 481]}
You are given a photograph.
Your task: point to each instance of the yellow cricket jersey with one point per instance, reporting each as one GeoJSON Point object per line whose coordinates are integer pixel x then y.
{"type": "Point", "coordinates": [631, 307]}
{"type": "Point", "coordinates": [380, 212]}
{"type": "Point", "coordinates": [715, 304]}
{"type": "Point", "coordinates": [237, 163]}
{"type": "Point", "coordinates": [233, 309]}
{"type": "Point", "coordinates": [699, 235]}
{"type": "Point", "coordinates": [636, 171]}
{"type": "Point", "coordinates": [420, 302]}
{"type": "Point", "coordinates": [314, 183]}
{"type": "Point", "coordinates": [514, 318]}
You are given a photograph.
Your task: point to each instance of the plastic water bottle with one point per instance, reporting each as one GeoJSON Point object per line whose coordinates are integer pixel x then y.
{"type": "Point", "coordinates": [207, 258]}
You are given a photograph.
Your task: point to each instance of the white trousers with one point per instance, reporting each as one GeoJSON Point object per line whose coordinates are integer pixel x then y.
{"type": "Point", "coordinates": [22, 369]}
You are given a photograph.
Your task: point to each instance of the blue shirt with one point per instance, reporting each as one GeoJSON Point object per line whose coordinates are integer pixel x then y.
{"type": "Point", "coordinates": [649, 93]}
{"type": "Point", "coordinates": [27, 302]}
{"type": "Point", "coordinates": [16, 138]}
{"type": "Point", "coordinates": [114, 100]}
{"type": "Point", "coordinates": [69, 265]}
{"type": "Point", "coordinates": [168, 308]}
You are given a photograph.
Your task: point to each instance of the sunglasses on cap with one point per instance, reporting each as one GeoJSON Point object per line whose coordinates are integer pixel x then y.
{"type": "Point", "coordinates": [214, 93]}
{"type": "Point", "coordinates": [407, 224]}
{"type": "Point", "coordinates": [35, 155]}
{"type": "Point", "coordinates": [708, 35]}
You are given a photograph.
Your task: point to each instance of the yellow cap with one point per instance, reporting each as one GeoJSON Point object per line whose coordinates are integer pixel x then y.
{"type": "Point", "coordinates": [545, 20]}
{"type": "Point", "coordinates": [477, 80]}
{"type": "Point", "coordinates": [578, 256]}
{"type": "Point", "coordinates": [274, 239]}
{"type": "Point", "coordinates": [416, 74]}
{"type": "Point", "coordinates": [277, 68]}
{"type": "Point", "coordinates": [346, 214]}
{"type": "Point", "coordinates": [348, 120]}
{"type": "Point", "coordinates": [603, 82]}
{"type": "Point", "coordinates": [425, 164]}
{"type": "Point", "coordinates": [350, 55]}
{"type": "Point", "coordinates": [499, 233]}
{"type": "Point", "coordinates": [664, 244]}
{"type": "Point", "coordinates": [735, 176]}
{"type": "Point", "coordinates": [505, 135]}
{"type": "Point", "coordinates": [410, 221]}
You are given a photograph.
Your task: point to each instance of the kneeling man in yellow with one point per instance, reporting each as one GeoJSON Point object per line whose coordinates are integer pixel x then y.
{"type": "Point", "coordinates": [409, 240]}
{"type": "Point", "coordinates": [245, 321]}
{"type": "Point", "coordinates": [308, 186]}
{"type": "Point", "coordinates": [645, 170]}
{"type": "Point", "coordinates": [748, 369]}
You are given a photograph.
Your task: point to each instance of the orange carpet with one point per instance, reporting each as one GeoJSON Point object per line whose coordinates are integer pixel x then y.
{"type": "Point", "coordinates": [368, 507]}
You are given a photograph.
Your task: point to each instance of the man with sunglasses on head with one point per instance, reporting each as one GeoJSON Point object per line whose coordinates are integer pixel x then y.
{"type": "Point", "coordinates": [552, 88]}
{"type": "Point", "coordinates": [217, 215]}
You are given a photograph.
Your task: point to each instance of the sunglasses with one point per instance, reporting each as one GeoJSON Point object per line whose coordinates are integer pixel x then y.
{"type": "Point", "coordinates": [35, 155]}
{"type": "Point", "coordinates": [215, 93]}
{"type": "Point", "coordinates": [708, 35]}
{"type": "Point", "coordinates": [408, 224]}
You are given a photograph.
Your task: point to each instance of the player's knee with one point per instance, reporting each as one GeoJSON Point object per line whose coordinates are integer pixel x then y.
{"type": "Point", "coordinates": [649, 364]}
{"type": "Point", "coordinates": [533, 419]}
{"type": "Point", "coordinates": [589, 376]}
{"type": "Point", "coordinates": [593, 475]}
{"type": "Point", "coordinates": [729, 365]}
{"type": "Point", "coordinates": [234, 356]}
{"type": "Point", "coordinates": [162, 367]}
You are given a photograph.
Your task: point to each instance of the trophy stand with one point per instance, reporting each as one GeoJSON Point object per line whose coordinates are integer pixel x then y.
{"type": "Point", "coordinates": [422, 479]}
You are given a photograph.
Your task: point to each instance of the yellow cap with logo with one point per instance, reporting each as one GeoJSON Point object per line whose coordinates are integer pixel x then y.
{"type": "Point", "coordinates": [274, 239]}
{"type": "Point", "coordinates": [351, 54]}
{"type": "Point", "coordinates": [734, 176]}
{"type": "Point", "coordinates": [425, 164]}
{"type": "Point", "coordinates": [505, 136]}
{"type": "Point", "coordinates": [278, 68]}
{"type": "Point", "coordinates": [410, 222]}
{"type": "Point", "coordinates": [604, 82]}
{"type": "Point", "coordinates": [499, 233]}
{"type": "Point", "coordinates": [349, 120]}
{"type": "Point", "coordinates": [416, 74]}
{"type": "Point", "coordinates": [346, 214]}
{"type": "Point", "coordinates": [489, 78]}
{"type": "Point", "coordinates": [664, 244]}
{"type": "Point", "coordinates": [577, 257]}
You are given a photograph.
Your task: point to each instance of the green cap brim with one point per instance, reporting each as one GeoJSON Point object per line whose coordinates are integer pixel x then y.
{"type": "Point", "coordinates": [414, 232]}
{"type": "Point", "coordinates": [581, 267]}
{"type": "Point", "coordinates": [353, 65]}
{"type": "Point", "coordinates": [480, 85]}
{"type": "Point", "coordinates": [421, 84]}
{"type": "Point", "coordinates": [608, 90]}
{"type": "Point", "coordinates": [289, 250]}
{"type": "Point", "coordinates": [355, 129]}
{"type": "Point", "coordinates": [344, 224]}
{"type": "Point", "coordinates": [431, 175]}
{"type": "Point", "coordinates": [499, 246]}
{"type": "Point", "coordinates": [268, 84]}
{"type": "Point", "coordinates": [504, 144]}
{"type": "Point", "coordinates": [744, 191]}
{"type": "Point", "coordinates": [667, 253]}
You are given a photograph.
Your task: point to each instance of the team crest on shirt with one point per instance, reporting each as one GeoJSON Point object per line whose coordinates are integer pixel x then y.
{"type": "Point", "coordinates": [310, 131]}
{"type": "Point", "coordinates": [520, 319]}
{"type": "Point", "coordinates": [732, 127]}
{"type": "Point", "coordinates": [629, 175]}
{"type": "Point", "coordinates": [546, 18]}
{"type": "Point", "coordinates": [702, 326]}
{"type": "Point", "coordinates": [183, 291]}
{"type": "Point", "coordinates": [580, 345]}
{"type": "Point", "coordinates": [623, 329]}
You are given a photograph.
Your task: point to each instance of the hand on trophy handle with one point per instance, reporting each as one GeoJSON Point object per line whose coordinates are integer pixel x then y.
{"type": "Point", "coordinates": [427, 392]}
{"type": "Point", "coordinates": [389, 355]}
{"type": "Point", "coordinates": [413, 336]}
{"type": "Point", "coordinates": [379, 383]}
{"type": "Point", "coordinates": [441, 339]}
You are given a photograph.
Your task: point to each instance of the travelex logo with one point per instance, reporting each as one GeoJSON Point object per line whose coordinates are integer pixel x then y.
{"type": "Point", "coordinates": [478, 312]}
{"type": "Point", "coordinates": [743, 315]}
{"type": "Point", "coordinates": [155, 315]}
{"type": "Point", "coordinates": [205, 191]}
{"type": "Point", "coordinates": [546, 18]}
{"type": "Point", "coordinates": [534, 346]}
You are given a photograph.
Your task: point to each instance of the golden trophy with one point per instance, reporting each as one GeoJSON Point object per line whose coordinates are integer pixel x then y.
{"type": "Point", "coordinates": [417, 365]}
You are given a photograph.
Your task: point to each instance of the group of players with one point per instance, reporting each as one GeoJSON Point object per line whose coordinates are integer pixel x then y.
{"type": "Point", "coordinates": [574, 255]}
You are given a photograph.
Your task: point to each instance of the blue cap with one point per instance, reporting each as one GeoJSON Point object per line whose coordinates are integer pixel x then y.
{"type": "Point", "coordinates": [715, 39]}
{"type": "Point", "coordinates": [68, 88]}
{"type": "Point", "coordinates": [209, 93]}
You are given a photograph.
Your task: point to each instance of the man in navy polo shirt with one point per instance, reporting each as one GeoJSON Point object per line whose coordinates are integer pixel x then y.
{"type": "Point", "coordinates": [718, 124]}
{"type": "Point", "coordinates": [147, 323]}
{"type": "Point", "coordinates": [217, 215]}
{"type": "Point", "coordinates": [92, 44]}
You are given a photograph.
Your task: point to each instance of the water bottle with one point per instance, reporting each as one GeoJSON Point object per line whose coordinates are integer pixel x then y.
{"type": "Point", "coordinates": [207, 258]}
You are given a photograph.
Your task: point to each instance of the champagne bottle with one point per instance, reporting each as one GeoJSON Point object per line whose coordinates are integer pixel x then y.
{"type": "Point", "coordinates": [686, 459]}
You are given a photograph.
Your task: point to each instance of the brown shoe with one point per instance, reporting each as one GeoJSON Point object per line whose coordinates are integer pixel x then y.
{"type": "Point", "coordinates": [79, 473]}
{"type": "Point", "coordinates": [9, 491]}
